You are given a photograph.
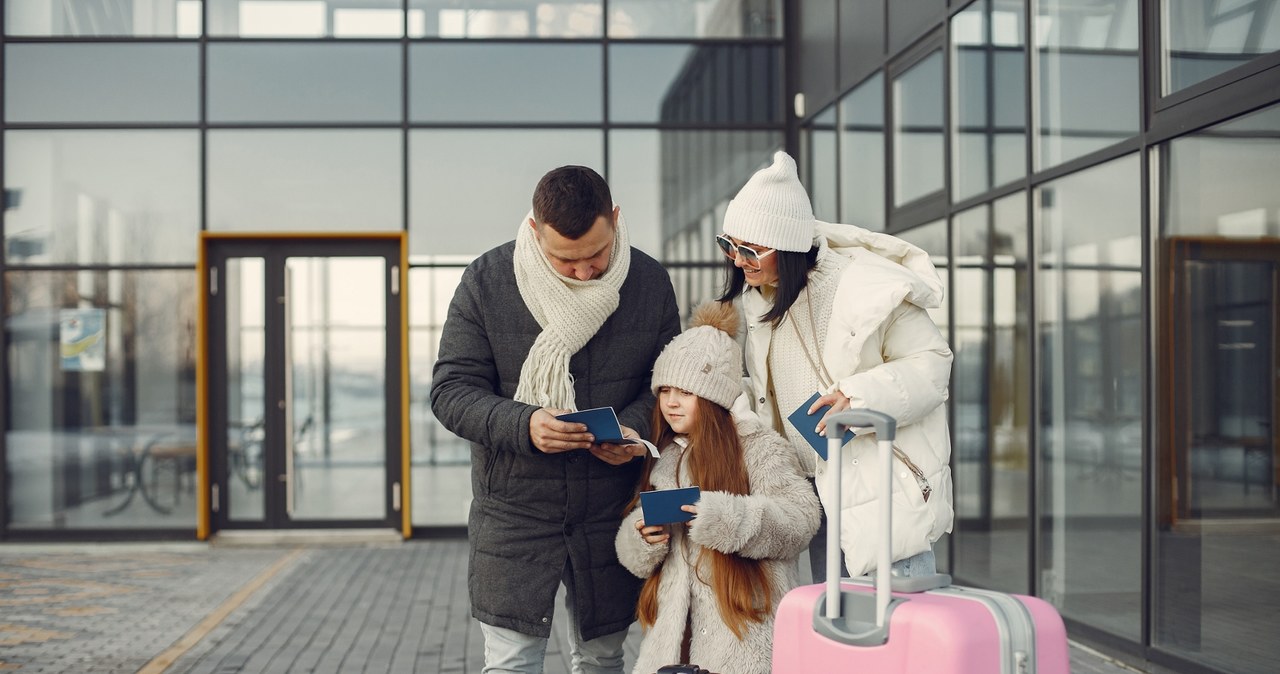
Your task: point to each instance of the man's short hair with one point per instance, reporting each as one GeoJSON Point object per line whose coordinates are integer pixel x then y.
{"type": "Point", "coordinates": [569, 199]}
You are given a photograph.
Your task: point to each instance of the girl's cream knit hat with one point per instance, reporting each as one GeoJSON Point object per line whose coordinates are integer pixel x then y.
{"type": "Point", "coordinates": [704, 360]}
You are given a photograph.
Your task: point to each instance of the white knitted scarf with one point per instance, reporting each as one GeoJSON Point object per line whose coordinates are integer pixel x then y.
{"type": "Point", "coordinates": [570, 313]}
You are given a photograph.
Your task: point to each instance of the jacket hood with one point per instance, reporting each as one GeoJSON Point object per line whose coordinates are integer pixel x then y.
{"type": "Point", "coordinates": [907, 262]}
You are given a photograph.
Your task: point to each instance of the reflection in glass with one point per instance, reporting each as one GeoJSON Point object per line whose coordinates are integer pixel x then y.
{"type": "Point", "coordinates": [988, 92]}
{"type": "Point", "coordinates": [932, 237]}
{"type": "Point", "coordinates": [694, 18]}
{"type": "Point", "coordinates": [1087, 78]}
{"type": "Point", "coordinates": [490, 82]}
{"type": "Point", "coordinates": [1218, 496]}
{"type": "Point", "coordinates": [917, 131]}
{"type": "Point", "coordinates": [695, 84]}
{"type": "Point", "coordinates": [306, 18]}
{"type": "Point", "coordinates": [1091, 337]}
{"type": "Point", "coordinates": [246, 404]}
{"type": "Point", "coordinates": [336, 334]}
{"type": "Point", "coordinates": [441, 475]}
{"type": "Point", "coordinates": [74, 205]}
{"type": "Point", "coordinates": [862, 157]}
{"type": "Point", "coordinates": [86, 18]}
{"type": "Point", "coordinates": [1223, 175]}
{"type": "Point", "coordinates": [303, 180]}
{"type": "Point", "coordinates": [101, 83]}
{"type": "Point", "coordinates": [102, 436]}
{"type": "Point", "coordinates": [1202, 39]}
{"type": "Point", "coordinates": [674, 186]}
{"type": "Point", "coordinates": [452, 212]}
{"type": "Point", "coordinates": [255, 82]}
{"type": "Point", "coordinates": [821, 176]}
{"type": "Point", "coordinates": [505, 18]}
{"type": "Point", "coordinates": [991, 394]}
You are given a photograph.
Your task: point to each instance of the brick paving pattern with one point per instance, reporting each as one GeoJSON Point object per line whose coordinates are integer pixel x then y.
{"type": "Point", "coordinates": [395, 608]}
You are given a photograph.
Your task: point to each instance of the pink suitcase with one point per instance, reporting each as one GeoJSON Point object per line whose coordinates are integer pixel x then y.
{"type": "Point", "coordinates": [921, 624]}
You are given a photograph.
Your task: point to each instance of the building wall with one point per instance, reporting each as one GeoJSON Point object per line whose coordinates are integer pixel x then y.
{"type": "Point", "coordinates": [1097, 180]}
{"type": "Point", "coordinates": [129, 128]}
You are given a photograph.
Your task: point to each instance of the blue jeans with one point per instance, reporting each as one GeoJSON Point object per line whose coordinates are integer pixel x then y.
{"type": "Point", "coordinates": [923, 564]}
{"type": "Point", "coordinates": [511, 652]}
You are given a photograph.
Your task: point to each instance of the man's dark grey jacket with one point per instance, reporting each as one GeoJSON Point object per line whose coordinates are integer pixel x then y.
{"type": "Point", "coordinates": [533, 513]}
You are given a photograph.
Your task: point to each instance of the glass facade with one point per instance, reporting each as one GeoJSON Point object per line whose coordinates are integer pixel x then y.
{"type": "Point", "coordinates": [1094, 179]}
{"type": "Point", "coordinates": [1217, 507]}
{"type": "Point", "coordinates": [132, 129]}
{"type": "Point", "coordinates": [1108, 233]}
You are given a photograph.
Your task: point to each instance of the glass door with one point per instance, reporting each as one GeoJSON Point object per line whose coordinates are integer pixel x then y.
{"type": "Point", "coordinates": [305, 401]}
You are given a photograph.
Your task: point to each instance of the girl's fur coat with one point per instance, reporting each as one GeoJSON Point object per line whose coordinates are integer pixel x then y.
{"type": "Point", "coordinates": [774, 523]}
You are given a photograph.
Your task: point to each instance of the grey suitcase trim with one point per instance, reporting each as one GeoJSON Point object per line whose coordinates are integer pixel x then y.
{"type": "Point", "coordinates": [1013, 622]}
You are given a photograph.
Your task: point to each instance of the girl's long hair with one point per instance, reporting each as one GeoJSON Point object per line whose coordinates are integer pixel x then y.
{"type": "Point", "coordinates": [793, 275]}
{"type": "Point", "coordinates": [716, 463]}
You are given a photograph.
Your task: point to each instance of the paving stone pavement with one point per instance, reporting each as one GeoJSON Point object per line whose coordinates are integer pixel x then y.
{"type": "Point", "coordinates": [200, 609]}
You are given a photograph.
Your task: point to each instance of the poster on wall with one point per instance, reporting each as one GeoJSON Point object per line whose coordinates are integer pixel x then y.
{"type": "Point", "coordinates": [83, 337]}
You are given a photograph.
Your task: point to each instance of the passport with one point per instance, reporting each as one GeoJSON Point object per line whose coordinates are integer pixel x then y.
{"type": "Point", "coordinates": [662, 506]}
{"type": "Point", "coordinates": [602, 424]}
{"type": "Point", "coordinates": [805, 424]}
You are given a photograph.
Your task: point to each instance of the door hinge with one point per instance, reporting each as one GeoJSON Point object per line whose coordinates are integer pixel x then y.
{"type": "Point", "coordinates": [213, 497]}
{"type": "Point", "coordinates": [395, 496]}
{"type": "Point", "coordinates": [395, 279]}
{"type": "Point", "coordinates": [213, 280]}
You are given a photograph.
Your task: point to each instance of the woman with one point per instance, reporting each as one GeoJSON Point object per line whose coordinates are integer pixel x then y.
{"type": "Point", "coordinates": [841, 311]}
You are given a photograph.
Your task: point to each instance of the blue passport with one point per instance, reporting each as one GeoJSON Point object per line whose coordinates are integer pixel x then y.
{"type": "Point", "coordinates": [601, 422]}
{"type": "Point", "coordinates": [805, 424]}
{"type": "Point", "coordinates": [662, 506]}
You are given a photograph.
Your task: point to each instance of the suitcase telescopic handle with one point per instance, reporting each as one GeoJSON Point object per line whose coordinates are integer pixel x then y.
{"type": "Point", "coordinates": [886, 427]}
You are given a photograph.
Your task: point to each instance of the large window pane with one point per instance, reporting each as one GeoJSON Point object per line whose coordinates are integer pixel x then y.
{"type": "Point", "coordinates": [917, 131]}
{"type": "Point", "coordinates": [505, 83]}
{"type": "Point", "coordinates": [990, 394]}
{"type": "Point", "coordinates": [56, 83]}
{"type": "Point", "coordinates": [1218, 489]}
{"type": "Point", "coordinates": [1090, 427]}
{"type": "Point", "coordinates": [469, 190]}
{"type": "Point", "coordinates": [103, 433]}
{"type": "Point", "coordinates": [1202, 39]}
{"type": "Point", "coordinates": [1087, 80]}
{"type": "Point", "coordinates": [306, 18]}
{"type": "Point", "coordinates": [821, 167]}
{"type": "Point", "coordinates": [304, 82]}
{"type": "Point", "coordinates": [441, 469]}
{"type": "Point", "coordinates": [933, 238]}
{"type": "Point", "coordinates": [988, 97]}
{"type": "Point", "coordinates": [695, 84]}
{"type": "Point", "coordinates": [310, 181]}
{"type": "Point", "coordinates": [862, 159]}
{"type": "Point", "coordinates": [673, 187]}
{"type": "Point", "coordinates": [69, 202]}
{"type": "Point", "coordinates": [86, 18]}
{"type": "Point", "coordinates": [694, 18]}
{"type": "Point", "coordinates": [505, 18]}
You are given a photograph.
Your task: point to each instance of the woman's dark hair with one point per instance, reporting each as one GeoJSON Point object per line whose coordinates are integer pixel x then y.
{"type": "Point", "coordinates": [793, 274]}
{"type": "Point", "coordinates": [570, 199]}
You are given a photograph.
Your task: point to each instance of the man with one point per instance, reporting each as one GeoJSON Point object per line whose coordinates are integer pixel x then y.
{"type": "Point", "coordinates": [568, 316]}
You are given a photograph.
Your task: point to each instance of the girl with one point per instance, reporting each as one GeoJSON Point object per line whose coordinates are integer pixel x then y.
{"type": "Point", "coordinates": [712, 584]}
{"type": "Point", "coordinates": [841, 311]}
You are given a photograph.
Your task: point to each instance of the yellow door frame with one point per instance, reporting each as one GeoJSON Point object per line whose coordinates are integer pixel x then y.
{"type": "Point", "coordinates": [204, 505]}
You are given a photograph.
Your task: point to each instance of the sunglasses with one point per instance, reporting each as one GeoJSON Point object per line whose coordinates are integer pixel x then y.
{"type": "Point", "coordinates": [750, 256]}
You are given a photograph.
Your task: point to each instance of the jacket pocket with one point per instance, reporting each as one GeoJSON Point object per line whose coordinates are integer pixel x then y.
{"type": "Point", "coordinates": [914, 472]}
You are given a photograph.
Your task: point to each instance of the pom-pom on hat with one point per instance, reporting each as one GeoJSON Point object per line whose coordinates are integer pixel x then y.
{"type": "Point", "coordinates": [773, 209]}
{"type": "Point", "coordinates": [704, 360]}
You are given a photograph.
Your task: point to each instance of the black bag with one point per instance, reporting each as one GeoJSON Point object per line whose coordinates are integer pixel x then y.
{"type": "Point", "coordinates": [682, 669]}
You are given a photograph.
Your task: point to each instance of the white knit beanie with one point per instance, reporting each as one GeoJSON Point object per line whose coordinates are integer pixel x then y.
{"type": "Point", "coordinates": [704, 360]}
{"type": "Point", "coordinates": [773, 209]}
